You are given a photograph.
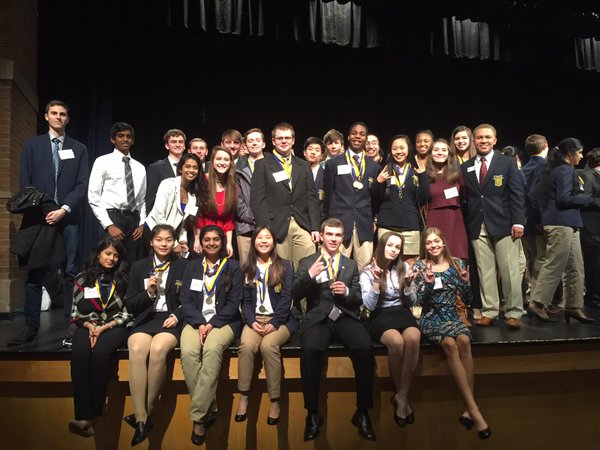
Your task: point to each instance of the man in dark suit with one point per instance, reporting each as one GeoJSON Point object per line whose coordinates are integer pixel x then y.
{"type": "Point", "coordinates": [348, 183]}
{"type": "Point", "coordinates": [164, 168]}
{"type": "Point", "coordinates": [590, 233]}
{"type": "Point", "coordinates": [330, 283]}
{"type": "Point", "coordinates": [56, 165]}
{"type": "Point", "coordinates": [314, 153]}
{"type": "Point", "coordinates": [283, 196]}
{"type": "Point", "coordinates": [199, 147]}
{"type": "Point", "coordinates": [496, 217]}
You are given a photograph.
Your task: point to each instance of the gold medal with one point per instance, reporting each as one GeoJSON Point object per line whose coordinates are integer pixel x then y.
{"type": "Point", "coordinates": [357, 185]}
{"type": "Point", "coordinates": [262, 309]}
{"type": "Point", "coordinates": [103, 315]}
{"type": "Point", "coordinates": [209, 299]}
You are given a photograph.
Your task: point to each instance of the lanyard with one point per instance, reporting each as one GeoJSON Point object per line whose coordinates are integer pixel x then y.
{"type": "Point", "coordinates": [357, 172]}
{"type": "Point", "coordinates": [400, 178]}
{"type": "Point", "coordinates": [110, 294]}
{"type": "Point", "coordinates": [262, 283]}
{"type": "Point", "coordinates": [156, 268]}
{"type": "Point", "coordinates": [209, 285]}
{"type": "Point", "coordinates": [284, 163]}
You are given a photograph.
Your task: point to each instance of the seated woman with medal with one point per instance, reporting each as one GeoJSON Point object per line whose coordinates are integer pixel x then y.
{"type": "Point", "coordinates": [402, 187]}
{"type": "Point", "coordinates": [388, 292]}
{"type": "Point", "coordinates": [211, 294]}
{"type": "Point", "coordinates": [267, 309]}
{"type": "Point", "coordinates": [101, 319]}
{"type": "Point", "coordinates": [153, 299]}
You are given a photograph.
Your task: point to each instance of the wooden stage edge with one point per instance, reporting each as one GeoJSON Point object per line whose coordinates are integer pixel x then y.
{"type": "Point", "coordinates": [534, 395]}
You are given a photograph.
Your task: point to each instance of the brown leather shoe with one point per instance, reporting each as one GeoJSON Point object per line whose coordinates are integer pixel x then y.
{"type": "Point", "coordinates": [513, 323]}
{"type": "Point", "coordinates": [484, 322]}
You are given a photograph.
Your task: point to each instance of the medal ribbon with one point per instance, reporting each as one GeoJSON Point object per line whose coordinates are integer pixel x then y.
{"type": "Point", "coordinates": [285, 165]}
{"type": "Point", "coordinates": [334, 268]}
{"type": "Point", "coordinates": [159, 267]}
{"type": "Point", "coordinates": [357, 172]}
{"type": "Point", "coordinates": [209, 286]}
{"type": "Point", "coordinates": [262, 284]}
{"type": "Point", "coordinates": [400, 177]}
{"type": "Point", "coordinates": [112, 291]}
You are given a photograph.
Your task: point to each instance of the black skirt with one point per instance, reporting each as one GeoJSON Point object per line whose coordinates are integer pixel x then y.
{"type": "Point", "coordinates": [393, 318]}
{"type": "Point", "coordinates": [153, 324]}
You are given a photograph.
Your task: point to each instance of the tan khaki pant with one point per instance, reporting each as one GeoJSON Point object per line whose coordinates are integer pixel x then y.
{"type": "Point", "coordinates": [363, 251]}
{"type": "Point", "coordinates": [243, 243]}
{"type": "Point", "coordinates": [296, 245]}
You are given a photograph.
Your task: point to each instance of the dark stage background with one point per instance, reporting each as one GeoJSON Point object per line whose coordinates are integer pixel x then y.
{"type": "Point", "coordinates": [135, 61]}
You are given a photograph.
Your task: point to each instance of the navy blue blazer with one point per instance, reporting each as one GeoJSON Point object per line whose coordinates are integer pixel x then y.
{"type": "Point", "coordinates": [352, 206]}
{"type": "Point", "coordinates": [157, 172]}
{"type": "Point", "coordinates": [500, 203]}
{"type": "Point", "coordinates": [37, 169]}
{"type": "Point", "coordinates": [319, 298]}
{"type": "Point", "coordinates": [319, 185]}
{"type": "Point", "coordinates": [532, 171]}
{"type": "Point", "coordinates": [565, 200]}
{"type": "Point", "coordinates": [229, 294]}
{"type": "Point", "coordinates": [281, 300]}
{"type": "Point", "coordinates": [139, 303]}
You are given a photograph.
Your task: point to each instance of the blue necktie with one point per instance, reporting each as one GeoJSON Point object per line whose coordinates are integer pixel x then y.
{"type": "Point", "coordinates": [55, 162]}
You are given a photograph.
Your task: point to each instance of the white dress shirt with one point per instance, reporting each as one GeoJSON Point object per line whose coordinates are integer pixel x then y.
{"type": "Point", "coordinates": [488, 161]}
{"type": "Point", "coordinates": [107, 187]}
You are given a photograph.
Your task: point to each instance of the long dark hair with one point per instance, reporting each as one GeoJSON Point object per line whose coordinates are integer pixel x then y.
{"type": "Point", "coordinates": [219, 231]}
{"type": "Point", "coordinates": [164, 227]}
{"type": "Point", "coordinates": [450, 171]}
{"type": "Point", "coordinates": [386, 266]}
{"type": "Point", "coordinates": [411, 152]}
{"type": "Point", "coordinates": [229, 183]}
{"type": "Point", "coordinates": [277, 264]}
{"type": "Point", "coordinates": [197, 186]}
{"type": "Point", "coordinates": [471, 152]}
{"type": "Point", "coordinates": [120, 273]}
{"type": "Point", "coordinates": [445, 253]}
{"type": "Point", "coordinates": [556, 158]}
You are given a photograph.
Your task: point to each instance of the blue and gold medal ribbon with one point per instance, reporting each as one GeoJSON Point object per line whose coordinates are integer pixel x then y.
{"type": "Point", "coordinates": [110, 293]}
{"type": "Point", "coordinates": [209, 286]}
{"type": "Point", "coordinates": [334, 268]}
{"type": "Point", "coordinates": [357, 172]}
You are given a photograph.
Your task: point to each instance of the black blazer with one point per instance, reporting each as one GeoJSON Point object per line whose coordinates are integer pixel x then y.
{"type": "Point", "coordinates": [139, 303]}
{"type": "Point", "coordinates": [157, 172]}
{"type": "Point", "coordinates": [37, 169]}
{"type": "Point", "coordinates": [403, 213]}
{"type": "Point", "coordinates": [273, 203]}
{"type": "Point", "coordinates": [229, 294]}
{"type": "Point", "coordinates": [281, 300]}
{"type": "Point", "coordinates": [352, 206]}
{"type": "Point", "coordinates": [500, 203]}
{"type": "Point", "coordinates": [532, 171]}
{"type": "Point", "coordinates": [319, 298]}
{"type": "Point", "coordinates": [591, 213]}
{"type": "Point", "coordinates": [320, 186]}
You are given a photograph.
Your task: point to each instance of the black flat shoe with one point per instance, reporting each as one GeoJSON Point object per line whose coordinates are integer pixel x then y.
{"type": "Point", "coordinates": [140, 435]}
{"type": "Point", "coordinates": [485, 434]}
{"type": "Point", "coordinates": [209, 419]}
{"type": "Point", "coordinates": [272, 421]}
{"type": "Point", "coordinates": [311, 429]}
{"type": "Point", "coordinates": [402, 421]}
{"type": "Point", "coordinates": [466, 422]}
{"type": "Point", "coordinates": [240, 417]}
{"type": "Point", "coordinates": [197, 439]}
{"type": "Point", "coordinates": [362, 421]}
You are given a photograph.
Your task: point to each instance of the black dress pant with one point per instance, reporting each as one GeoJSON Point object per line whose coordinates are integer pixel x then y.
{"type": "Point", "coordinates": [90, 369]}
{"type": "Point", "coordinates": [354, 336]}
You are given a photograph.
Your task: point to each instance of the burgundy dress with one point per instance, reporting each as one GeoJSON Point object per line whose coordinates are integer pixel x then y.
{"type": "Point", "coordinates": [445, 214]}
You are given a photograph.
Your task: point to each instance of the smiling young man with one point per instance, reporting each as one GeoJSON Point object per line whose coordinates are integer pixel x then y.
{"type": "Point", "coordinates": [232, 141]}
{"type": "Point", "coordinates": [283, 197]}
{"type": "Point", "coordinates": [57, 165]}
{"type": "Point", "coordinates": [495, 220]}
{"type": "Point", "coordinates": [117, 192]}
{"type": "Point", "coordinates": [198, 147]}
{"type": "Point", "coordinates": [349, 188]}
{"type": "Point", "coordinates": [330, 283]}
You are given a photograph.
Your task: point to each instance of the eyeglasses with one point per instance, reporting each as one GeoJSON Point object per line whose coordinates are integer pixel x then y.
{"type": "Point", "coordinates": [284, 138]}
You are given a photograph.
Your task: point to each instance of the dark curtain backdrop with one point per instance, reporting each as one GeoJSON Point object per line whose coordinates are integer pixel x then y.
{"type": "Point", "coordinates": [141, 62]}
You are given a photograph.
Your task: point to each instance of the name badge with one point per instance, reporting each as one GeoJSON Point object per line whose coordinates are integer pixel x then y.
{"type": "Point", "coordinates": [280, 176]}
{"type": "Point", "coordinates": [451, 192]}
{"type": "Point", "coordinates": [196, 285]}
{"type": "Point", "coordinates": [66, 153]}
{"type": "Point", "coordinates": [470, 169]}
{"type": "Point", "coordinates": [322, 277]}
{"type": "Point", "coordinates": [393, 181]}
{"type": "Point", "coordinates": [344, 169]}
{"type": "Point", "coordinates": [190, 209]}
{"type": "Point", "coordinates": [438, 283]}
{"type": "Point", "coordinates": [90, 292]}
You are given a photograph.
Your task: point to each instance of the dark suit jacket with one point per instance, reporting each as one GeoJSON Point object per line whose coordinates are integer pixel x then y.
{"type": "Point", "coordinates": [281, 301]}
{"type": "Point", "coordinates": [157, 172]}
{"type": "Point", "coordinates": [532, 171]}
{"type": "Point", "coordinates": [320, 186]}
{"type": "Point", "coordinates": [591, 213]}
{"type": "Point", "coordinates": [273, 203]}
{"type": "Point", "coordinates": [319, 298]}
{"type": "Point", "coordinates": [139, 303]}
{"type": "Point", "coordinates": [352, 206]}
{"type": "Point", "coordinates": [500, 203]}
{"type": "Point", "coordinates": [229, 294]}
{"type": "Point", "coordinates": [37, 169]}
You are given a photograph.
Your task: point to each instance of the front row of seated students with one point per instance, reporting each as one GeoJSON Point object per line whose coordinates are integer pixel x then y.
{"type": "Point", "coordinates": [164, 298]}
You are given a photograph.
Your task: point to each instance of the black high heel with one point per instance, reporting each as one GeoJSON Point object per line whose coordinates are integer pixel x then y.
{"type": "Point", "coordinates": [466, 422]}
{"type": "Point", "coordinates": [485, 434]}
{"type": "Point", "coordinates": [578, 315]}
{"type": "Point", "coordinates": [140, 434]}
{"type": "Point", "coordinates": [402, 421]}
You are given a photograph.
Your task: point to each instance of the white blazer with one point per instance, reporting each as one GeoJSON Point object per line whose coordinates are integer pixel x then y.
{"type": "Point", "coordinates": [167, 207]}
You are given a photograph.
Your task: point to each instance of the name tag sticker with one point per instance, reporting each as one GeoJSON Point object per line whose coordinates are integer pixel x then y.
{"type": "Point", "coordinates": [438, 283]}
{"type": "Point", "coordinates": [66, 153]}
{"type": "Point", "coordinates": [393, 181]}
{"type": "Point", "coordinates": [196, 285]}
{"type": "Point", "coordinates": [470, 169]}
{"type": "Point", "coordinates": [90, 292]}
{"type": "Point", "coordinates": [344, 169]}
{"type": "Point", "coordinates": [322, 277]}
{"type": "Point", "coordinates": [451, 192]}
{"type": "Point", "coordinates": [190, 209]}
{"type": "Point", "coordinates": [280, 176]}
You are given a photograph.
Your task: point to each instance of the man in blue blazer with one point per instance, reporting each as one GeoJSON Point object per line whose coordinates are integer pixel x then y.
{"type": "Point", "coordinates": [56, 165]}
{"type": "Point", "coordinates": [495, 220]}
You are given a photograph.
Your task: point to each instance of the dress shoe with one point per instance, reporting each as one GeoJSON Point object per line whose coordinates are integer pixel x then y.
{"type": "Point", "coordinates": [537, 309]}
{"type": "Point", "coordinates": [577, 314]}
{"type": "Point", "coordinates": [466, 422]}
{"type": "Point", "coordinates": [140, 434]}
{"type": "Point", "coordinates": [554, 309]}
{"type": "Point", "coordinates": [477, 314]}
{"type": "Point", "coordinates": [512, 323]}
{"type": "Point", "coordinates": [272, 420]}
{"type": "Point", "coordinates": [130, 420]}
{"type": "Point", "coordinates": [362, 421]}
{"type": "Point", "coordinates": [24, 336]}
{"type": "Point", "coordinates": [484, 322]}
{"type": "Point", "coordinates": [311, 429]}
{"type": "Point", "coordinates": [485, 434]}
{"type": "Point", "coordinates": [240, 417]}
{"type": "Point", "coordinates": [197, 439]}
{"type": "Point", "coordinates": [402, 421]}
{"type": "Point", "coordinates": [76, 427]}
{"type": "Point", "coordinates": [210, 418]}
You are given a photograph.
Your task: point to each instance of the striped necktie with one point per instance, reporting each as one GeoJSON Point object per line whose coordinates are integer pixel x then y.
{"type": "Point", "coordinates": [129, 184]}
